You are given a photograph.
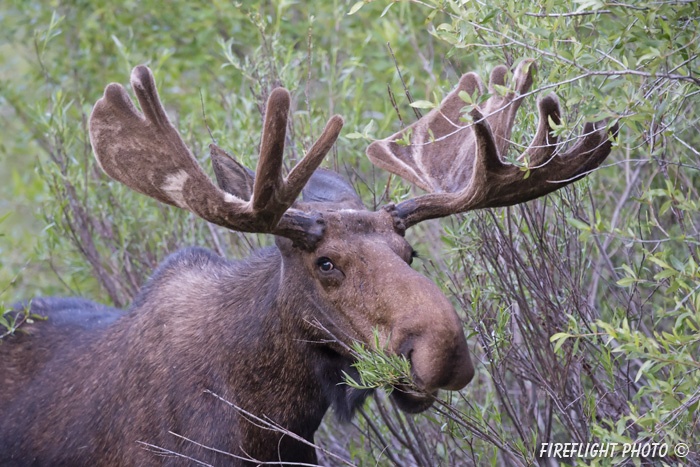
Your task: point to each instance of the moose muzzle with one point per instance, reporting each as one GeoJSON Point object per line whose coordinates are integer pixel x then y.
{"type": "Point", "coordinates": [429, 334]}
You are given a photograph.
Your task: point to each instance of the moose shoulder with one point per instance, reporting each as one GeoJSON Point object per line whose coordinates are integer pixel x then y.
{"type": "Point", "coordinates": [91, 384]}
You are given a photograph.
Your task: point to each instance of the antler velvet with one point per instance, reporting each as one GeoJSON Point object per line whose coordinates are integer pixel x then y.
{"type": "Point", "coordinates": [460, 164]}
{"type": "Point", "coordinates": [146, 153]}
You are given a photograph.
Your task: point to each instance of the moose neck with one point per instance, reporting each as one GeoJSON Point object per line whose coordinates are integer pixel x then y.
{"type": "Point", "coordinates": [277, 366]}
{"type": "Point", "coordinates": [314, 337]}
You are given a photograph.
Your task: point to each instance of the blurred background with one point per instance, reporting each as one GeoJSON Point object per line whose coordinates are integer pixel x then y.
{"type": "Point", "coordinates": [582, 309]}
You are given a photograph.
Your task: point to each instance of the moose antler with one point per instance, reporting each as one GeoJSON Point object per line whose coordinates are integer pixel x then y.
{"type": "Point", "coordinates": [145, 152]}
{"type": "Point", "coordinates": [461, 165]}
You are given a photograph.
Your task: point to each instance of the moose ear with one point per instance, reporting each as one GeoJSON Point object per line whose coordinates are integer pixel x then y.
{"type": "Point", "coordinates": [231, 175]}
{"type": "Point", "coordinates": [326, 186]}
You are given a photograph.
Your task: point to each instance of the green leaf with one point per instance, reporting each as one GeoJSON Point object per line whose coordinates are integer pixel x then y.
{"type": "Point", "coordinates": [501, 90]}
{"type": "Point", "coordinates": [559, 338]}
{"type": "Point", "coordinates": [645, 366]}
{"type": "Point", "coordinates": [625, 281]}
{"type": "Point", "coordinates": [422, 104]}
{"type": "Point", "coordinates": [385, 9]}
{"type": "Point", "coordinates": [559, 335]}
{"type": "Point", "coordinates": [665, 274]}
{"type": "Point", "coordinates": [578, 224]}
{"type": "Point", "coordinates": [465, 97]}
{"type": "Point", "coordinates": [356, 7]}
{"type": "Point", "coordinates": [368, 128]}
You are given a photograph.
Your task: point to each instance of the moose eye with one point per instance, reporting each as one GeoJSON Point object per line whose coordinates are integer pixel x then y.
{"type": "Point", "coordinates": [325, 264]}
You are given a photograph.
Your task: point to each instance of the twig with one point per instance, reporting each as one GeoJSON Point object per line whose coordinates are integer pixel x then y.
{"type": "Point", "coordinates": [248, 459]}
{"type": "Point", "coordinates": [405, 88]}
{"type": "Point", "coordinates": [393, 104]}
{"type": "Point", "coordinates": [204, 116]}
{"type": "Point", "coordinates": [14, 279]}
{"type": "Point", "coordinates": [573, 13]}
{"type": "Point", "coordinates": [308, 81]}
{"type": "Point", "coordinates": [163, 451]}
{"type": "Point", "coordinates": [269, 424]}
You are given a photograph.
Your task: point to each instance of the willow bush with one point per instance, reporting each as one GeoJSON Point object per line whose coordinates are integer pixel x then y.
{"type": "Point", "coordinates": [582, 308]}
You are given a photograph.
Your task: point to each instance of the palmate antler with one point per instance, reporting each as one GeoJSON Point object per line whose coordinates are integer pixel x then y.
{"type": "Point", "coordinates": [460, 164]}
{"type": "Point", "coordinates": [145, 152]}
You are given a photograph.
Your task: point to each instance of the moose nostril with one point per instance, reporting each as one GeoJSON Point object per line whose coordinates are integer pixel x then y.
{"type": "Point", "coordinates": [438, 365]}
{"type": "Point", "coordinates": [406, 350]}
{"type": "Point", "coordinates": [417, 380]}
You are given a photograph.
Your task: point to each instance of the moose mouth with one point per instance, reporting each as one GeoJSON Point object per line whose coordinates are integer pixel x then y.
{"type": "Point", "coordinates": [410, 400]}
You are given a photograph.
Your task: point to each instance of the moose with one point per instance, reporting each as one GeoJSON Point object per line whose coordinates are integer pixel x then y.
{"type": "Point", "coordinates": [270, 334]}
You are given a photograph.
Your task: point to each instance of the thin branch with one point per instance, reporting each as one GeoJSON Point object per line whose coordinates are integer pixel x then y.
{"type": "Point", "coordinates": [405, 88]}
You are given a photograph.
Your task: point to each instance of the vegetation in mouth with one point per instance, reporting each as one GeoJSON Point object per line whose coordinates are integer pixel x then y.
{"type": "Point", "coordinates": [378, 368]}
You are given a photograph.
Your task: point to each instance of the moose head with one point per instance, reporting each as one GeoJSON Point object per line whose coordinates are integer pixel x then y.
{"type": "Point", "coordinates": [351, 264]}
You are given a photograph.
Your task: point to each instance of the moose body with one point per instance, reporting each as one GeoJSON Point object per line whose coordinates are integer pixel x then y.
{"type": "Point", "coordinates": [200, 324]}
{"type": "Point", "coordinates": [213, 353]}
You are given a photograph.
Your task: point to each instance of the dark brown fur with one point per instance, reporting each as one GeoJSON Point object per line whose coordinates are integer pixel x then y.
{"type": "Point", "coordinates": [86, 392]}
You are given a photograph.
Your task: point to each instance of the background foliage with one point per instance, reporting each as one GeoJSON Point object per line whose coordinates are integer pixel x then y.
{"type": "Point", "coordinates": [582, 309]}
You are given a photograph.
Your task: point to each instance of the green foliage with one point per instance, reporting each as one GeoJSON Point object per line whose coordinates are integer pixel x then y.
{"type": "Point", "coordinates": [582, 309]}
{"type": "Point", "coordinates": [377, 368]}
{"type": "Point", "coordinates": [12, 318]}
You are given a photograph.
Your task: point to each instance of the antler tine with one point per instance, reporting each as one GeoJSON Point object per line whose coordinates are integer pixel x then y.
{"type": "Point", "coordinates": [271, 191]}
{"type": "Point", "coordinates": [487, 162]}
{"type": "Point", "coordinates": [146, 153]}
{"type": "Point", "coordinates": [415, 162]}
{"type": "Point", "coordinates": [589, 151]}
{"type": "Point", "coordinates": [501, 110]}
{"type": "Point", "coordinates": [487, 156]}
{"type": "Point", "coordinates": [544, 143]}
{"type": "Point", "coordinates": [300, 174]}
{"type": "Point", "coordinates": [268, 174]}
{"type": "Point", "coordinates": [462, 166]}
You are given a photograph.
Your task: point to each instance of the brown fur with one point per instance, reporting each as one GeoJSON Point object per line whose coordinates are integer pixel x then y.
{"type": "Point", "coordinates": [200, 323]}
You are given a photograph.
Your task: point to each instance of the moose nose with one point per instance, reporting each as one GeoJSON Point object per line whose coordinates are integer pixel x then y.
{"type": "Point", "coordinates": [446, 365]}
{"type": "Point", "coordinates": [439, 355]}
{"type": "Point", "coordinates": [426, 330]}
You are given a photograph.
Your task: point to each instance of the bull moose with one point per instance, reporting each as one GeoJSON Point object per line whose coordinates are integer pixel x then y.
{"type": "Point", "coordinates": [270, 333]}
